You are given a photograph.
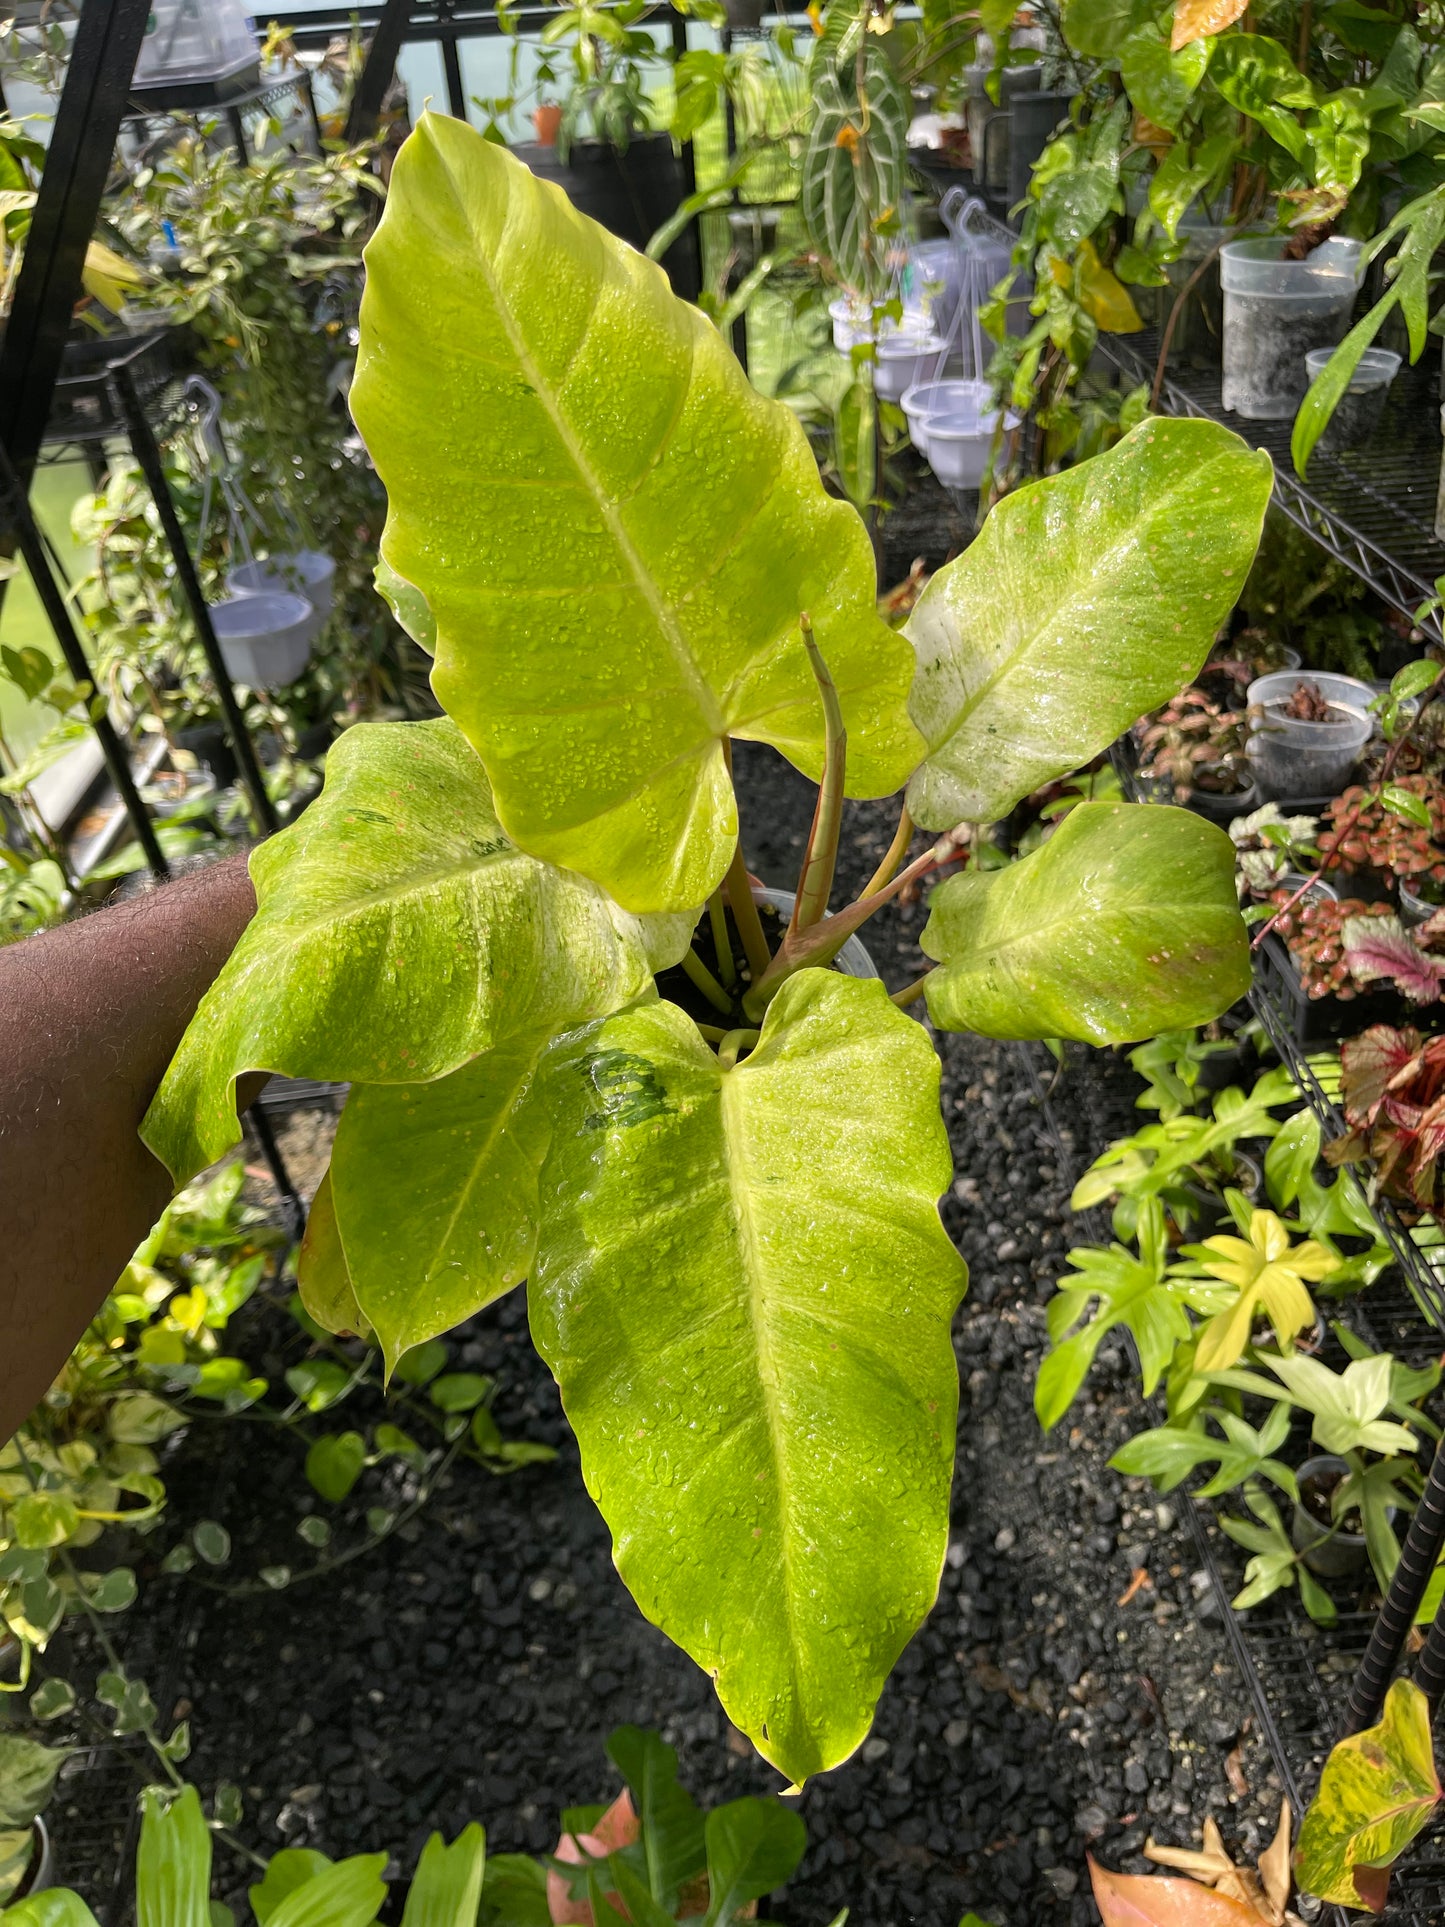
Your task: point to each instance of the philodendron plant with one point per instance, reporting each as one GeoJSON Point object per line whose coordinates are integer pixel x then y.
{"type": "Point", "coordinates": [622, 558]}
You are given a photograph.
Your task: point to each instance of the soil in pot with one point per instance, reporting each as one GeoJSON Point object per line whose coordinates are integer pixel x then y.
{"type": "Point", "coordinates": [1332, 1550]}
{"type": "Point", "coordinates": [1308, 732]}
{"type": "Point", "coordinates": [1275, 312]}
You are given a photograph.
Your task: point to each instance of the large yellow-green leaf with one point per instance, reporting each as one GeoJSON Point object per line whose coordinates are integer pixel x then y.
{"type": "Point", "coordinates": [1377, 1791]}
{"type": "Point", "coordinates": [1088, 598]}
{"type": "Point", "coordinates": [435, 1193]}
{"type": "Point", "coordinates": [398, 933]}
{"type": "Point", "coordinates": [615, 534]}
{"type": "Point", "coordinates": [745, 1293]}
{"type": "Point", "coordinates": [173, 1863]}
{"type": "Point", "coordinates": [1125, 923]}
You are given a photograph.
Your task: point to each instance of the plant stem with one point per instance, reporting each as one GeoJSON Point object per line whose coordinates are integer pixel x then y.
{"type": "Point", "coordinates": [821, 944]}
{"type": "Point", "coordinates": [721, 941]}
{"type": "Point", "coordinates": [815, 883]}
{"type": "Point", "coordinates": [897, 850]}
{"type": "Point", "coordinates": [911, 993]}
{"type": "Point", "coordinates": [702, 979]}
{"type": "Point", "coordinates": [745, 915]}
{"type": "Point", "coordinates": [735, 1041]}
{"type": "Point", "coordinates": [714, 1033]}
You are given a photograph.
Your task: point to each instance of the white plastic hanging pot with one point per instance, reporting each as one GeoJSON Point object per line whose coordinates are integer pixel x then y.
{"type": "Point", "coordinates": [306, 572]}
{"type": "Point", "coordinates": [905, 358]}
{"type": "Point", "coordinates": [266, 638]}
{"type": "Point", "coordinates": [952, 426]}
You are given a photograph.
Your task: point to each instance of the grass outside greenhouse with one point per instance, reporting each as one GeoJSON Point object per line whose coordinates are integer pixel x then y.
{"type": "Point", "coordinates": [722, 965]}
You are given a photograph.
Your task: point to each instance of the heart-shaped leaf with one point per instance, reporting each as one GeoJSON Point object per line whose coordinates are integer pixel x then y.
{"type": "Point", "coordinates": [1377, 1791]}
{"type": "Point", "coordinates": [1087, 599]}
{"type": "Point", "coordinates": [615, 534]}
{"type": "Point", "coordinates": [398, 933]}
{"type": "Point", "coordinates": [749, 1320]}
{"type": "Point", "coordinates": [1125, 923]}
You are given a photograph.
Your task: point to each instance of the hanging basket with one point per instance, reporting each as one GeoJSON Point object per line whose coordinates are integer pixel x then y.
{"type": "Point", "coordinates": [304, 572]}
{"type": "Point", "coordinates": [265, 638]}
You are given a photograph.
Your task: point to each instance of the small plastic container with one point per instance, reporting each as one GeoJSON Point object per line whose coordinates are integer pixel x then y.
{"type": "Point", "coordinates": [852, 960]}
{"type": "Point", "coordinates": [305, 572]}
{"type": "Point", "coordinates": [265, 639]}
{"type": "Point", "coordinates": [1292, 758]}
{"type": "Point", "coordinates": [1275, 312]}
{"type": "Point", "coordinates": [196, 40]}
{"type": "Point", "coordinates": [1358, 411]}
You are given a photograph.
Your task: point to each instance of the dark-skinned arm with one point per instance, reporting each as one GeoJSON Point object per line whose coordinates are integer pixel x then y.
{"type": "Point", "coordinates": [90, 1015]}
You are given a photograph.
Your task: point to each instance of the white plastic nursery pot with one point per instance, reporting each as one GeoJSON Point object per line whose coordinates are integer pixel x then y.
{"type": "Point", "coordinates": [850, 325]}
{"type": "Point", "coordinates": [1275, 312]}
{"type": "Point", "coordinates": [852, 960]}
{"type": "Point", "coordinates": [39, 1876]}
{"type": "Point", "coordinates": [306, 572]}
{"type": "Point", "coordinates": [265, 639]}
{"type": "Point", "coordinates": [1292, 758]}
{"type": "Point", "coordinates": [1358, 411]}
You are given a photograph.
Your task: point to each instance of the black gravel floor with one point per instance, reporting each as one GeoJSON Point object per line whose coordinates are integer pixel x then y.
{"type": "Point", "coordinates": [472, 1667]}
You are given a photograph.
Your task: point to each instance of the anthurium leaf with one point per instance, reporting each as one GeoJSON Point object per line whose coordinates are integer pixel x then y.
{"type": "Point", "coordinates": [398, 932]}
{"type": "Point", "coordinates": [435, 1191]}
{"type": "Point", "coordinates": [56, 1907]}
{"type": "Point", "coordinates": [1159, 1900]}
{"type": "Point", "coordinates": [285, 1871]}
{"type": "Point", "coordinates": [1378, 1790]}
{"type": "Point", "coordinates": [173, 1863]}
{"type": "Point", "coordinates": [749, 1322]}
{"type": "Point", "coordinates": [615, 533]}
{"type": "Point", "coordinates": [1088, 598]}
{"type": "Point", "coordinates": [446, 1890]}
{"type": "Point", "coordinates": [1125, 923]}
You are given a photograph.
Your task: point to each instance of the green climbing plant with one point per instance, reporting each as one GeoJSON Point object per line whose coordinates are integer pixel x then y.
{"type": "Point", "coordinates": [525, 932]}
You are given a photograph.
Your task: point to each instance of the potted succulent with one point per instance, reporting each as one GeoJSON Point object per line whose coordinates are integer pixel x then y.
{"type": "Point", "coordinates": [727, 1222]}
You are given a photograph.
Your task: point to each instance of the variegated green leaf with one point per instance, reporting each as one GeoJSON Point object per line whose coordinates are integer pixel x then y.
{"type": "Point", "coordinates": [1088, 598]}
{"type": "Point", "coordinates": [1125, 923]}
{"type": "Point", "coordinates": [745, 1292]}
{"type": "Point", "coordinates": [398, 933]}
{"type": "Point", "coordinates": [615, 534]}
{"type": "Point", "coordinates": [1377, 1791]}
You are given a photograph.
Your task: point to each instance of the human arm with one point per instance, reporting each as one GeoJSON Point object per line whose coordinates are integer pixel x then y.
{"type": "Point", "coordinates": [90, 1015]}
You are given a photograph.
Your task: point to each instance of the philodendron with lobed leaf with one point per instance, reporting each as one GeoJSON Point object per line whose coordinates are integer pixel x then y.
{"type": "Point", "coordinates": [623, 558]}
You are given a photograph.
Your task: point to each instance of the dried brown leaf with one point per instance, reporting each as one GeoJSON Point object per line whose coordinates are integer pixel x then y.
{"type": "Point", "coordinates": [1200, 19]}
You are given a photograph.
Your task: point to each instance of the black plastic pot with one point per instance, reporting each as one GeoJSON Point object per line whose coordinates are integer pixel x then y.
{"type": "Point", "coordinates": [1221, 808]}
{"type": "Point", "coordinates": [210, 745]}
{"type": "Point", "coordinates": [1034, 116]}
{"type": "Point", "coordinates": [630, 194]}
{"type": "Point", "coordinates": [1326, 1550]}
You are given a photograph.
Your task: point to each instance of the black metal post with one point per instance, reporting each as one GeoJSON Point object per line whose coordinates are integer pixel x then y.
{"type": "Point", "coordinates": [451, 59]}
{"type": "Point", "coordinates": [82, 144]}
{"type": "Point", "coordinates": [148, 455]}
{"type": "Point", "coordinates": [18, 514]}
{"type": "Point", "coordinates": [1418, 1559]}
{"type": "Point", "coordinates": [730, 154]}
{"type": "Point", "coordinates": [693, 235]}
{"type": "Point", "coordinates": [1430, 1673]}
{"type": "Point", "coordinates": [260, 1126]}
{"type": "Point", "coordinates": [376, 75]}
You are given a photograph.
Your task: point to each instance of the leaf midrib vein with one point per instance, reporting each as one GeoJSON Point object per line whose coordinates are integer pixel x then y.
{"type": "Point", "coordinates": [663, 615]}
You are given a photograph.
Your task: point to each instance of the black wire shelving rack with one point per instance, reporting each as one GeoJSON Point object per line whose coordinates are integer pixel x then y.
{"type": "Point", "coordinates": [1372, 508]}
